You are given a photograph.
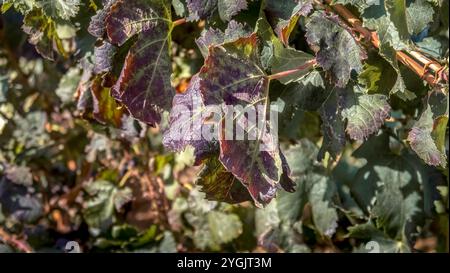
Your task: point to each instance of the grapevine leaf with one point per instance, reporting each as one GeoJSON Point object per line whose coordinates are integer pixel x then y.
{"type": "Point", "coordinates": [212, 36]}
{"type": "Point", "coordinates": [378, 76]}
{"type": "Point", "coordinates": [376, 18]}
{"type": "Point", "coordinates": [283, 15]}
{"type": "Point", "coordinates": [387, 185]}
{"type": "Point", "coordinates": [185, 123]}
{"type": "Point", "coordinates": [105, 199]}
{"type": "Point", "coordinates": [143, 87]}
{"type": "Point", "coordinates": [268, 39]}
{"type": "Point", "coordinates": [419, 15]}
{"type": "Point", "coordinates": [18, 202]}
{"type": "Point", "coordinates": [314, 187]}
{"type": "Point", "coordinates": [422, 142]}
{"type": "Point", "coordinates": [200, 9]}
{"type": "Point", "coordinates": [396, 10]}
{"type": "Point", "coordinates": [285, 59]}
{"type": "Point", "coordinates": [232, 76]}
{"type": "Point", "coordinates": [259, 171]}
{"type": "Point", "coordinates": [97, 26]}
{"type": "Point", "coordinates": [64, 9]}
{"type": "Point", "coordinates": [229, 8]}
{"type": "Point", "coordinates": [122, 22]}
{"type": "Point", "coordinates": [321, 192]}
{"type": "Point", "coordinates": [104, 57]}
{"type": "Point", "coordinates": [229, 78]}
{"type": "Point", "coordinates": [338, 51]}
{"type": "Point", "coordinates": [43, 34]}
{"type": "Point", "coordinates": [333, 127]}
{"type": "Point", "coordinates": [392, 212]}
{"type": "Point", "coordinates": [220, 185]}
{"type": "Point", "coordinates": [290, 205]}
{"type": "Point", "coordinates": [365, 114]}
{"type": "Point", "coordinates": [106, 109]}
{"type": "Point", "coordinates": [179, 7]}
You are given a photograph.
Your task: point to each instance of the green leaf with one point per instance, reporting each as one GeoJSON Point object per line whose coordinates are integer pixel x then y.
{"type": "Point", "coordinates": [229, 8]}
{"type": "Point", "coordinates": [64, 9]}
{"type": "Point", "coordinates": [376, 17]}
{"type": "Point", "coordinates": [224, 227]}
{"type": "Point", "coordinates": [378, 76]}
{"type": "Point", "coordinates": [321, 191]}
{"type": "Point", "coordinates": [68, 85]}
{"type": "Point", "coordinates": [285, 59]}
{"type": "Point", "coordinates": [105, 199]}
{"type": "Point", "coordinates": [396, 10]}
{"type": "Point", "coordinates": [419, 15]}
{"type": "Point", "coordinates": [364, 113]}
{"type": "Point", "coordinates": [290, 205]}
{"type": "Point", "coordinates": [42, 33]}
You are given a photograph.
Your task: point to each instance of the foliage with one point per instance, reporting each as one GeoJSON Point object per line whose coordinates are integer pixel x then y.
{"type": "Point", "coordinates": [103, 103]}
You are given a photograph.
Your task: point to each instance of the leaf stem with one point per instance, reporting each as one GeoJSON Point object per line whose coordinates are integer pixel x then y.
{"type": "Point", "coordinates": [286, 73]}
{"type": "Point", "coordinates": [179, 22]}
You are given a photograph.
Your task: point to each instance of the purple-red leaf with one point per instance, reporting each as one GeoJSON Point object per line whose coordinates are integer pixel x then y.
{"type": "Point", "coordinates": [337, 51]}
{"type": "Point", "coordinates": [144, 83]}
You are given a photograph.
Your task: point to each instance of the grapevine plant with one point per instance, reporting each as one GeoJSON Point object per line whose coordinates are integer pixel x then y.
{"type": "Point", "coordinates": [103, 105]}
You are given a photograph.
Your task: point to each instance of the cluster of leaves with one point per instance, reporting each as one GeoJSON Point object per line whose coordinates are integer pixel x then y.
{"type": "Point", "coordinates": [92, 95]}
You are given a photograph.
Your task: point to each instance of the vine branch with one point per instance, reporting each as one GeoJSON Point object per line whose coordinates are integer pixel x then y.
{"type": "Point", "coordinates": [286, 73]}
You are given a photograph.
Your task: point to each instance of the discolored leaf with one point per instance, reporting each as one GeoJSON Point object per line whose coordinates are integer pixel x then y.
{"type": "Point", "coordinates": [422, 142]}
{"type": "Point", "coordinates": [283, 15]}
{"type": "Point", "coordinates": [143, 86]}
{"type": "Point", "coordinates": [338, 51]}
{"type": "Point", "coordinates": [201, 9]}
{"type": "Point", "coordinates": [97, 25]}
{"type": "Point", "coordinates": [106, 109]}
{"type": "Point", "coordinates": [185, 123]}
{"type": "Point", "coordinates": [42, 34]}
{"type": "Point", "coordinates": [220, 185]}
{"type": "Point", "coordinates": [228, 78]}
{"type": "Point", "coordinates": [212, 36]}
{"type": "Point", "coordinates": [333, 127]}
{"type": "Point", "coordinates": [104, 57]}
